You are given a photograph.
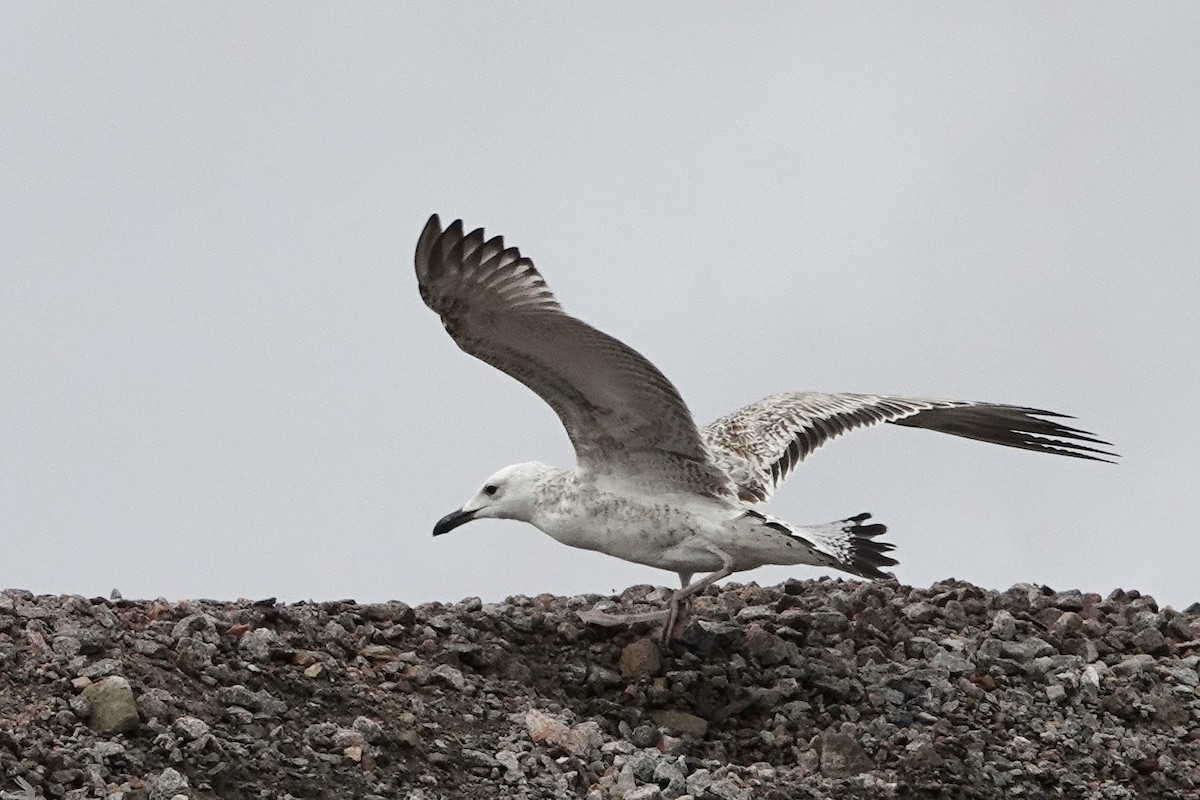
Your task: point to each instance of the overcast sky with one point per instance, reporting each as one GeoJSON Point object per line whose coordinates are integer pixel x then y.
{"type": "Point", "coordinates": [217, 378]}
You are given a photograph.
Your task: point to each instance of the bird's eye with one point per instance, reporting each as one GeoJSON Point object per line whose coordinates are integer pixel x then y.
{"type": "Point", "coordinates": [490, 489]}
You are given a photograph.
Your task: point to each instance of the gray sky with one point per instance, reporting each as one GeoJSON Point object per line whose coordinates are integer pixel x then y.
{"type": "Point", "coordinates": [219, 380]}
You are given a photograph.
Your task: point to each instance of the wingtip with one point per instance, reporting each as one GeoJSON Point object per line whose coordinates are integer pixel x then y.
{"type": "Point", "coordinates": [432, 229]}
{"type": "Point", "coordinates": [429, 235]}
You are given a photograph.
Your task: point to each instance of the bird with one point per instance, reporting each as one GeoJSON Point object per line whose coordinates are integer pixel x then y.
{"type": "Point", "coordinates": [649, 485]}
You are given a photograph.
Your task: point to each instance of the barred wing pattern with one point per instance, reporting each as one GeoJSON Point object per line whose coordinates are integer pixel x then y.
{"type": "Point", "coordinates": [624, 418]}
{"type": "Point", "coordinates": [760, 444]}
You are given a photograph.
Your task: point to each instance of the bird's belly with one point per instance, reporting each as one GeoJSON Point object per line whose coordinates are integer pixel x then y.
{"type": "Point", "coordinates": [664, 537]}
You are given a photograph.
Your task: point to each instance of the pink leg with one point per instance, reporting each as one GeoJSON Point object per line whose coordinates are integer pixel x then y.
{"type": "Point", "coordinates": [681, 601]}
{"type": "Point", "coordinates": [674, 617]}
{"type": "Point", "coordinates": [604, 619]}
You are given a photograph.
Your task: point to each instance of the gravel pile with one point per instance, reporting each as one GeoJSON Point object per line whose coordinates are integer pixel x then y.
{"type": "Point", "coordinates": [813, 689]}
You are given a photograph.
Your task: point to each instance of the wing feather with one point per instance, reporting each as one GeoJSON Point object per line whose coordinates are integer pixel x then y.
{"type": "Point", "coordinates": [619, 410]}
{"type": "Point", "coordinates": [760, 444]}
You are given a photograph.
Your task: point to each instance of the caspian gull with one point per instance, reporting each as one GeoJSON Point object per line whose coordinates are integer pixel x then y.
{"type": "Point", "coordinates": [649, 486]}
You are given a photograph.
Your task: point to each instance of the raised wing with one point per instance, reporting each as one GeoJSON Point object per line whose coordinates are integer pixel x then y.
{"type": "Point", "coordinates": [758, 445]}
{"type": "Point", "coordinates": [620, 412]}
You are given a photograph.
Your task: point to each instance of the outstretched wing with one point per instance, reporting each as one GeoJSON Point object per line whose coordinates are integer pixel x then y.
{"type": "Point", "coordinates": [623, 416]}
{"type": "Point", "coordinates": [758, 445]}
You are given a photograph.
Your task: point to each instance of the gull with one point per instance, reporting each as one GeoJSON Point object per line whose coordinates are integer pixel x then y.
{"type": "Point", "coordinates": [649, 486]}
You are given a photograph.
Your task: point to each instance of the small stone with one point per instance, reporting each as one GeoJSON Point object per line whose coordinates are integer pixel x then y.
{"type": "Point", "coordinates": [509, 760]}
{"type": "Point", "coordinates": [920, 612]}
{"type": "Point", "coordinates": [1142, 662]}
{"type": "Point", "coordinates": [830, 622]}
{"type": "Point", "coordinates": [669, 777]}
{"type": "Point", "coordinates": [1068, 624]}
{"type": "Point", "coordinates": [347, 737]}
{"type": "Point", "coordinates": [193, 623]}
{"type": "Point", "coordinates": [79, 707]}
{"type": "Point", "coordinates": [371, 730]}
{"type": "Point", "coordinates": [1151, 641]}
{"type": "Point", "coordinates": [320, 735]}
{"type": "Point", "coordinates": [1027, 649]}
{"type": "Point", "coordinates": [670, 745]}
{"type": "Point", "coordinates": [166, 784]}
{"type": "Point", "coordinates": [106, 666]}
{"type": "Point", "coordinates": [644, 793]}
{"type": "Point", "coordinates": [1050, 665]}
{"type": "Point", "coordinates": [150, 648]}
{"type": "Point", "coordinates": [648, 735]}
{"type": "Point", "coordinates": [640, 659]}
{"type": "Point", "coordinates": [270, 705]}
{"type": "Point", "coordinates": [765, 648]}
{"type": "Point", "coordinates": [393, 611]}
{"type": "Point", "coordinates": [954, 664]}
{"type": "Point", "coordinates": [1004, 626]}
{"type": "Point", "coordinates": [377, 651]}
{"type": "Point", "coordinates": [680, 721]}
{"type": "Point", "coordinates": [1055, 693]}
{"type": "Point", "coordinates": [261, 701]}
{"type": "Point", "coordinates": [1186, 676]}
{"type": "Point", "coordinates": [314, 670]}
{"type": "Point", "coordinates": [842, 756]}
{"type": "Point", "coordinates": [66, 646]}
{"type": "Point", "coordinates": [449, 676]}
{"type": "Point", "coordinates": [754, 614]}
{"type": "Point", "coordinates": [580, 740]}
{"type": "Point", "coordinates": [644, 763]}
{"type": "Point", "coordinates": [153, 704]}
{"type": "Point", "coordinates": [625, 782]}
{"type": "Point", "coordinates": [1147, 764]}
{"type": "Point", "coordinates": [258, 643]}
{"type": "Point", "coordinates": [1070, 600]}
{"type": "Point", "coordinates": [190, 728]}
{"type": "Point", "coordinates": [194, 655]}
{"type": "Point", "coordinates": [238, 715]}
{"type": "Point", "coordinates": [112, 708]}
{"type": "Point", "coordinates": [699, 781]}
{"type": "Point", "coordinates": [583, 739]}
{"type": "Point", "coordinates": [727, 789]}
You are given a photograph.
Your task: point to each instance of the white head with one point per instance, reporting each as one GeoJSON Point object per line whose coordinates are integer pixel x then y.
{"type": "Point", "coordinates": [509, 494]}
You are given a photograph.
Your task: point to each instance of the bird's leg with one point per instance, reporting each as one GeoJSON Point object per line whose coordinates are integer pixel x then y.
{"type": "Point", "coordinates": [677, 617]}
{"type": "Point", "coordinates": [677, 613]}
{"type": "Point", "coordinates": [681, 601]}
{"type": "Point", "coordinates": [604, 619]}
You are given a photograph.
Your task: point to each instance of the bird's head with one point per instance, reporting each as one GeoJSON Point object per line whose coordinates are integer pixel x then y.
{"type": "Point", "coordinates": [509, 494]}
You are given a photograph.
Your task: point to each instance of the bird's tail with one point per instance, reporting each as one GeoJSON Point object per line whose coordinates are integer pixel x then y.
{"type": "Point", "coordinates": [847, 544]}
{"type": "Point", "coordinates": [851, 542]}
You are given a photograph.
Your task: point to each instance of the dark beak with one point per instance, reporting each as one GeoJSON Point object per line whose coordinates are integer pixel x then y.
{"type": "Point", "coordinates": [452, 521]}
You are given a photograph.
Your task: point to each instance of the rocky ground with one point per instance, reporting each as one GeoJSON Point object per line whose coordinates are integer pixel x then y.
{"type": "Point", "coordinates": [814, 689]}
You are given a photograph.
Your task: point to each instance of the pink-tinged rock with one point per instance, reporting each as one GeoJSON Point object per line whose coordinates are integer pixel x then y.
{"type": "Point", "coordinates": [578, 740]}
{"type": "Point", "coordinates": [545, 728]}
